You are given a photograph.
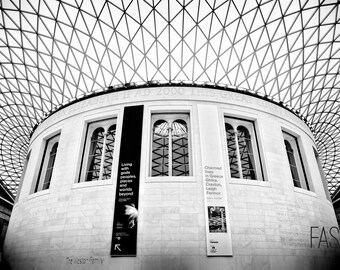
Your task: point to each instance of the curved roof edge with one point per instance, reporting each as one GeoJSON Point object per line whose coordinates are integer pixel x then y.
{"type": "Point", "coordinates": [131, 86]}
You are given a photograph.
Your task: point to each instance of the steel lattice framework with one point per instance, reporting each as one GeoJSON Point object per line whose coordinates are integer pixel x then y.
{"type": "Point", "coordinates": [53, 52]}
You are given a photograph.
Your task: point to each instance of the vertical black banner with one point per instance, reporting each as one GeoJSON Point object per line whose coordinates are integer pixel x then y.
{"type": "Point", "coordinates": [124, 236]}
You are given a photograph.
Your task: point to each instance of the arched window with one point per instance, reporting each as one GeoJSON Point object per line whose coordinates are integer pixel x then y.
{"type": "Point", "coordinates": [50, 166]}
{"type": "Point", "coordinates": [170, 146]}
{"type": "Point", "coordinates": [98, 153]}
{"type": "Point", "coordinates": [243, 154]}
{"type": "Point", "coordinates": [160, 149]}
{"type": "Point", "coordinates": [297, 169]}
{"type": "Point", "coordinates": [292, 164]}
{"type": "Point", "coordinates": [47, 164]}
{"type": "Point", "coordinates": [95, 155]}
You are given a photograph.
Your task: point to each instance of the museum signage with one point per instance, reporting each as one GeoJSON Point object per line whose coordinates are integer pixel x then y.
{"type": "Point", "coordinates": [124, 236]}
{"type": "Point", "coordinates": [215, 197]}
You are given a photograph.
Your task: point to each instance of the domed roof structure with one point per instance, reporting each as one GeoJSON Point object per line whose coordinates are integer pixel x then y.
{"type": "Point", "coordinates": [55, 52]}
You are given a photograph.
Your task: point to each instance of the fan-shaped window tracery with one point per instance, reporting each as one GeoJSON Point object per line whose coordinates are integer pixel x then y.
{"type": "Point", "coordinates": [170, 146]}
{"type": "Point", "coordinates": [98, 152]}
{"type": "Point", "coordinates": [243, 154]}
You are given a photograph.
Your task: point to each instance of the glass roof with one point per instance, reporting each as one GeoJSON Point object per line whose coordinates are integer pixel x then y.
{"type": "Point", "coordinates": [52, 52]}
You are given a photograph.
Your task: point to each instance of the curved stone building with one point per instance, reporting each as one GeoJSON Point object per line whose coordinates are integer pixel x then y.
{"type": "Point", "coordinates": [172, 177]}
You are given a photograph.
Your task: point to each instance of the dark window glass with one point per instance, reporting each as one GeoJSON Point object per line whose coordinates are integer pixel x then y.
{"type": "Point", "coordinates": [160, 149]}
{"type": "Point", "coordinates": [243, 151]}
{"type": "Point", "coordinates": [108, 156]}
{"type": "Point", "coordinates": [292, 164]}
{"type": "Point", "coordinates": [50, 166]}
{"type": "Point", "coordinates": [180, 153]}
{"type": "Point", "coordinates": [98, 151]}
{"type": "Point", "coordinates": [47, 164]}
{"type": "Point", "coordinates": [246, 153]}
{"type": "Point", "coordinates": [232, 151]}
{"type": "Point", "coordinates": [95, 155]}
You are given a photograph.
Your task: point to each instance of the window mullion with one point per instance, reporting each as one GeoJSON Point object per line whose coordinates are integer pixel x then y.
{"type": "Point", "coordinates": [238, 154]}
{"type": "Point", "coordinates": [102, 158]}
{"type": "Point", "coordinates": [170, 151]}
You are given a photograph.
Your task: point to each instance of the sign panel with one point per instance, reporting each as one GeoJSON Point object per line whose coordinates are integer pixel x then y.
{"type": "Point", "coordinates": [215, 197]}
{"type": "Point", "coordinates": [124, 236]}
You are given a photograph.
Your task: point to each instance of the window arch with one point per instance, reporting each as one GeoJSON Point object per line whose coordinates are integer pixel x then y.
{"type": "Point", "coordinates": [292, 164]}
{"type": "Point", "coordinates": [297, 169]}
{"type": "Point", "coordinates": [243, 154]}
{"type": "Point", "coordinates": [50, 166]}
{"type": "Point", "coordinates": [170, 146]}
{"type": "Point", "coordinates": [98, 152]}
{"type": "Point", "coordinates": [95, 155]}
{"type": "Point", "coordinates": [160, 149]}
{"type": "Point", "coordinates": [47, 164]}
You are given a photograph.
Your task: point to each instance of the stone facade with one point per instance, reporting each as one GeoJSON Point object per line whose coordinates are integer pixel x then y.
{"type": "Point", "coordinates": [272, 224]}
{"type": "Point", "coordinates": [6, 206]}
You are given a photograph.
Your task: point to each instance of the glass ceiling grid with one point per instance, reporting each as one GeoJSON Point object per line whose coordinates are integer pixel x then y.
{"type": "Point", "coordinates": [53, 52]}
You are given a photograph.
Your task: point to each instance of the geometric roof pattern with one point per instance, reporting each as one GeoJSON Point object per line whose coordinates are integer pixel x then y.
{"type": "Point", "coordinates": [54, 52]}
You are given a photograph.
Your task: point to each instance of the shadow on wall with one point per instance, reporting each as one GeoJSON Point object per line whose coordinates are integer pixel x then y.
{"type": "Point", "coordinates": [4, 265]}
{"type": "Point", "coordinates": [335, 264]}
{"type": "Point", "coordinates": [216, 263]}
